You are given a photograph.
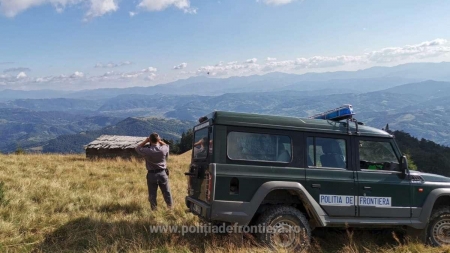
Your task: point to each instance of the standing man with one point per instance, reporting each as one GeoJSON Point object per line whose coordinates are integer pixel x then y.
{"type": "Point", "coordinates": [155, 162]}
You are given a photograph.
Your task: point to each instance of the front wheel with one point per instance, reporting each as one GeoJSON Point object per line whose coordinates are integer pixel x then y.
{"type": "Point", "coordinates": [285, 227]}
{"type": "Point", "coordinates": [438, 231]}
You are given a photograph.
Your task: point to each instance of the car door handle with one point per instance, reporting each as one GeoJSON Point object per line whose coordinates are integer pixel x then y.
{"type": "Point", "coordinates": [367, 188]}
{"type": "Point", "coordinates": [315, 185]}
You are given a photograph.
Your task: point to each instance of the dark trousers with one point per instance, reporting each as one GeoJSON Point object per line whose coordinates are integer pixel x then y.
{"type": "Point", "coordinates": [153, 181]}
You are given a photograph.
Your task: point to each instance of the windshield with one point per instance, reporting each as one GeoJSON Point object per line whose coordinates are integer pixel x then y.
{"type": "Point", "coordinates": [200, 147]}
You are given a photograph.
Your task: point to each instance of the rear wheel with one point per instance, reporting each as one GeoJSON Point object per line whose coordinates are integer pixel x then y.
{"type": "Point", "coordinates": [285, 228]}
{"type": "Point", "coordinates": [438, 231]}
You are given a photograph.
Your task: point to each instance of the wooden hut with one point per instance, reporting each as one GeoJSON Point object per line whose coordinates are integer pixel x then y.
{"type": "Point", "coordinates": [112, 146]}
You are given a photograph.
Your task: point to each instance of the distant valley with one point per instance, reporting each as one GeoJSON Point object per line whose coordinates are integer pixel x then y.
{"type": "Point", "coordinates": [414, 98]}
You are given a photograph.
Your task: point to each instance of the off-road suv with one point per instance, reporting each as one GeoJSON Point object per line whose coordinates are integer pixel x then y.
{"type": "Point", "coordinates": [283, 171]}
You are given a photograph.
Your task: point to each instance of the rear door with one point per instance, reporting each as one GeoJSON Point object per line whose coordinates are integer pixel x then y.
{"type": "Point", "coordinates": [330, 176]}
{"type": "Point", "coordinates": [382, 190]}
{"type": "Point", "coordinates": [198, 177]}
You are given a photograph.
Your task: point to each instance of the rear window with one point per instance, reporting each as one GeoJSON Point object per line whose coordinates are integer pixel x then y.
{"type": "Point", "coordinates": [259, 147]}
{"type": "Point", "coordinates": [201, 144]}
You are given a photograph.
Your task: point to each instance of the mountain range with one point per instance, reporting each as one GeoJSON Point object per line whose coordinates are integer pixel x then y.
{"type": "Point", "coordinates": [365, 80]}
{"type": "Point", "coordinates": [413, 97]}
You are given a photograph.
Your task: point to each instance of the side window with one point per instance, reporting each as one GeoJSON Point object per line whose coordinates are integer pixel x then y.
{"type": "Point", "coordinates": [259, 147]}
{"type": "Point", "coordinates": [377, 155]}
{"type": "Point", "coordinates": [326, 152]}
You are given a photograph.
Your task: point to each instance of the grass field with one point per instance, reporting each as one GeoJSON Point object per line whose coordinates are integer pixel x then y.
{"type": "Point", "coordinates": [66, 203]}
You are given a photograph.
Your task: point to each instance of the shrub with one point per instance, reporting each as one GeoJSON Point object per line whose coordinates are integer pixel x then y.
{"type": "Point", "coordinates": [19, 151]}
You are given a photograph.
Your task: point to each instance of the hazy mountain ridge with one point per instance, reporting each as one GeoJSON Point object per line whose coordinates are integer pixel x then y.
{"type": "Point", "coordinates": [360, 81]}
{"type": "Point", "coordinates": [423, 116]}
{"type": "Point", "coordinates": [420, 108]}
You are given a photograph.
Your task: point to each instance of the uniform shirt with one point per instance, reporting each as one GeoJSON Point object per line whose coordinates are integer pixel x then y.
{"type": "Point", "coordinates": [155, 156]}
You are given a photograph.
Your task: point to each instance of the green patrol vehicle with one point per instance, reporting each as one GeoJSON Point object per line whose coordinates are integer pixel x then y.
{"type": "Point", "coordinates": [329, 171]}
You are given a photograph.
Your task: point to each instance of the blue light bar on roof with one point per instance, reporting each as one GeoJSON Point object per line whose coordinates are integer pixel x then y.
{"type": "Point", "coordinates": [343, 112]}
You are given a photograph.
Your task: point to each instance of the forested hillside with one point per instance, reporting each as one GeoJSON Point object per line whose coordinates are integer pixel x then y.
{"type": "Point", "coordinates": [427, 155]}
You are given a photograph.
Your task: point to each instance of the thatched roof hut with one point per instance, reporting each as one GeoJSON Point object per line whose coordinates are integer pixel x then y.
{"type": "Point", "coordinates": [111, 146]}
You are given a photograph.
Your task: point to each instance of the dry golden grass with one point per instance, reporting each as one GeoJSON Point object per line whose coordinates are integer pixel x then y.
{"type": "Point", "coordinates": [66, 203]}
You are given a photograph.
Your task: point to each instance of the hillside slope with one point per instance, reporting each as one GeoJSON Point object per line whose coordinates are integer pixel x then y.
{"type": "Point", "coordinates": [66, 203]}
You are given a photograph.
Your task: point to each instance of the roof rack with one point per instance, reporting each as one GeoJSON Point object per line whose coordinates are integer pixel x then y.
{"type": "Point", "coordinates": [340, 113]}
{"type": "Point", "coordinates": [344, 112]}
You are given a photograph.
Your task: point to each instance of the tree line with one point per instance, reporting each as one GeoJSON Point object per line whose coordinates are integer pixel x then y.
{"type": "Point", "coordinates": [184, 144]}
{"type": "Point", "coordinates": [426, 155]}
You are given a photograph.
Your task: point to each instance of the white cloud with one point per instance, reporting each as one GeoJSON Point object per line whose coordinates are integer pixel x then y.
{"type": "Point", "coordinates": [409, 53]}
{"type": "Point", "coordinates": [438, 48]}
{"type": "Point", "coordinates": [132, 13]}
{"type": "Point", "coordinates": [277, 65]}
{"type": "Point", "coordinates": [149, 69]}
{"type": "Point", "coordinates": [131, 75]}
{"type": "Point", "coordinates": [114, 75]}
{"type": "Point", "coordinates": [181, 66]}
{"type": "Point", "coordinates": [422, 50]}
{"type": "Point", "coordinates": [313, 62]}
{"type": "Point", "coordinates": [159, 5]}
{"type": "Point", "coordinates": [42, 79]}
{"type": "Point", "coordinates": [143, 74]}
{"type": "Point", "coordinates": [101, 7]}
{"type": "Point", "coordinates": [190, 10]}
{"type": "Point", "coordinates": [77, 74]}
{"type": "Point", "coordinates": [229, 69]}
{"type": "Point", "coordinates": [110, 73]}
{"type": "Point", "coordinates": [21, 75]}
{"type": "Point", "coordinates": [96, 8]}
{"type": "Point", "coordinates": [151, 77]}
{"type": "Point", "coordinates": [112, 64]}
{"type": "Point", "coordinates": [277, 2]}
{"type": "Point", "coordinates": [325, 62]}
{"type": "Point", "coordinates": [6, 79]}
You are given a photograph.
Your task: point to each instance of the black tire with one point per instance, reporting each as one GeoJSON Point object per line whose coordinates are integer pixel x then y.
{"type": "Point", "coordinates": [285, 217]}
{"type": "Point", "coordinates": [438, 230]}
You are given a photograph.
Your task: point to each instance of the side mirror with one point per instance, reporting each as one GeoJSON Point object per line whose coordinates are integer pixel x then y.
{"type": "Point", "coordinates": [404, 165]}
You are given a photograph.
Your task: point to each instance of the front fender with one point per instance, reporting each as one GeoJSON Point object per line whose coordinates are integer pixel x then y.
{"type": "Point", "coordinates": [427, 207]}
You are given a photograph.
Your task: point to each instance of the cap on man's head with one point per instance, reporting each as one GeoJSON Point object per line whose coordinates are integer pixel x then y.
{"type": "Point", "coordinates": [154, 137]}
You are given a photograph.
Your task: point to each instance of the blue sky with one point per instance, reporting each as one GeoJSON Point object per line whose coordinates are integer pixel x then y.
{"type": "Point", "coordinates": [77, 44]}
